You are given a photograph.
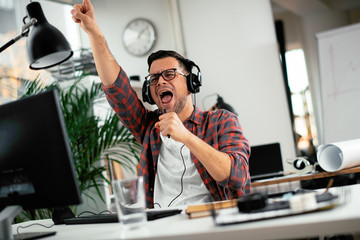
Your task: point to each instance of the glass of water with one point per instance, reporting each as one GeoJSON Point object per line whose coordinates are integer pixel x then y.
{"type": "Point", "coordinates": [130, 202]}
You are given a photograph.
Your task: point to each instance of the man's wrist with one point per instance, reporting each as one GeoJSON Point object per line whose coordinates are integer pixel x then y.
{"type": "Point", "coordinates": [95, 34]}
{"type": "Point", "coordinates": [189, 138]}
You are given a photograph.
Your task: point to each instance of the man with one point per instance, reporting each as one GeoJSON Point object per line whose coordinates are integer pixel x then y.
{"type": "Point", "coordinates": [188, 156]}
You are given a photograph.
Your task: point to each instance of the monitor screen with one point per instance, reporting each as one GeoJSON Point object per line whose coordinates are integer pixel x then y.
{"type": "Point", "coordinates": [36, 165]}
{"type": "Point", "coordinates": [265, 161]}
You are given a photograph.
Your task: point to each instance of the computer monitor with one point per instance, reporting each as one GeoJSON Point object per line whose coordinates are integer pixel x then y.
{"type": "Point", "coordinates": [36, 165]}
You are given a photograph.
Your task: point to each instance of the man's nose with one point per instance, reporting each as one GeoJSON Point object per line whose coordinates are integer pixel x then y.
{"type": "Point", "coordinates": [161, 80]}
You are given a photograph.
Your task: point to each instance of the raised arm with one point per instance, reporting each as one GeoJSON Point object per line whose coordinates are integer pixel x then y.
{"type": "Point", "coordinates": [106, 65]}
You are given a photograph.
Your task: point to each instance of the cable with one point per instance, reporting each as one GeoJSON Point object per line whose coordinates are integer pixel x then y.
{"type": "Point", "coordinates": [92, 213]}
{"type": "Point", "coordinates": [17, 230]}
{"type": "Point", "coordinates": [104, 211]}
{"type": "Point", "coordinates": [182, 176]}
{"type": "Point", "coordinates": [157, 204]}
{"type": "Point", "coordinates": [194, 99]}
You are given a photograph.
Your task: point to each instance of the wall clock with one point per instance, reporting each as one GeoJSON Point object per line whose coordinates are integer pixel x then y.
{"type": "Point", "coordinates": [139, 36]}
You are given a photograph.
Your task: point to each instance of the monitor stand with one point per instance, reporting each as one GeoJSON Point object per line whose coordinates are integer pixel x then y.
{"type": "Point", "coordinates": [7, 215]}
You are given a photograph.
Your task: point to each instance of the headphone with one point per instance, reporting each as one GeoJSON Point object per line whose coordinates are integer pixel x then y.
{"type": "Point", "coordinates": [193, 82]}
{"type": "Point", "coordinates": [301, 165]}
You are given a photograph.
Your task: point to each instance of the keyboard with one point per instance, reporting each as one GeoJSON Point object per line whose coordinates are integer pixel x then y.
{"type": "Point", "coordinates": [113, 217]}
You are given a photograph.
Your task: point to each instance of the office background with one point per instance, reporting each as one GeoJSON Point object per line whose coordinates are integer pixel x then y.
{"type": "Point", "coordinates": [233, 42]}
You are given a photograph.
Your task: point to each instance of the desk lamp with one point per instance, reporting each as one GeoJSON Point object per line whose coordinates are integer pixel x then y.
{"type": "Point", "coordinates": [46, 45]}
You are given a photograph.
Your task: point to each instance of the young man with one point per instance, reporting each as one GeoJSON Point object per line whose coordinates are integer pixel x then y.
{"type": "Point", "coordinates": [188, 156]}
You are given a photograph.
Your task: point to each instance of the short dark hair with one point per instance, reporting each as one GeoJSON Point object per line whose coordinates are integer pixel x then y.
{"type": "Point", "coordinates": [186, 63]}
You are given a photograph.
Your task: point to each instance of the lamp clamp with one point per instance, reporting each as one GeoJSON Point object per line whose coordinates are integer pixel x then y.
{"type": "Point", "coordinates": [26, 28]}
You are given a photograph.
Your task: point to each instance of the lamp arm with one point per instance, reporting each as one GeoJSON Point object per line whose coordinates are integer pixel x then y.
{"type": "Point", "coordinates": [24, 33]}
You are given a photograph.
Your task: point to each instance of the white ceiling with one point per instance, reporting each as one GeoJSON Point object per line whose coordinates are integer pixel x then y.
{"type": "Point", "coordinates": [299, 7]}
{"type": "Point", "coordinates": [71, 2]}
{"type": "Point", "coordinates": [303, 7]}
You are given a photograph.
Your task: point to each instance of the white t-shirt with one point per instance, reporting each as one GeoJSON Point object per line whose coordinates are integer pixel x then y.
{"type": "Point", "coordinates": [177, 181]}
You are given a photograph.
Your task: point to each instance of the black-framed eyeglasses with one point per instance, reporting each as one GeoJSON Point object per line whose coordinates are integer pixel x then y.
{"type": "Point", "coordinates": [167, 75]}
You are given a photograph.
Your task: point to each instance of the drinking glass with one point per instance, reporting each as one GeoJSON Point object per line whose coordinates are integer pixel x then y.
{"type": "Point", "coordinates": [130, 202]}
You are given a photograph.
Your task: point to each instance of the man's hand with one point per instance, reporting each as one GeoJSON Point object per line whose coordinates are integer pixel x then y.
{"type": "Point", "coordinates": [84, 15]}
{"type": "Point", "coordinates": [217, 163]}
{"type": "Point", "coordinates": [170, 124]}
{"type": "Point", "coordinates": [106, 65]}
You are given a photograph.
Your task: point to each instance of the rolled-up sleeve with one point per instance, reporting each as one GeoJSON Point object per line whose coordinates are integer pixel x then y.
{"type": "Point", "coordinates": [125, 102]}
{"type": "Point", "coordinates": [231, 140]}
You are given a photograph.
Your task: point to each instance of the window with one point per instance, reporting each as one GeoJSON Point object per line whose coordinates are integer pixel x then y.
{"type": "Point", "coordinates": [14, 65]}
{"type": "Point", "coordinates": [304, 123]}
{"type": "Point", "coordinates": [7, 15]}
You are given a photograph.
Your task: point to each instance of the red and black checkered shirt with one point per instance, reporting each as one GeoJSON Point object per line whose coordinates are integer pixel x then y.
{"type": "Point", "coordinates": [220, 129]}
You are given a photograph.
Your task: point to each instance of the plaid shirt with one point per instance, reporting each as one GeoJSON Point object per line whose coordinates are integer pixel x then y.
{"type": "Point", "coordinates": [220, 129]}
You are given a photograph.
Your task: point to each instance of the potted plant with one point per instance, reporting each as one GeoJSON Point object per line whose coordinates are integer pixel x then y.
{"type": "Point", "coordinates": [90, 138]}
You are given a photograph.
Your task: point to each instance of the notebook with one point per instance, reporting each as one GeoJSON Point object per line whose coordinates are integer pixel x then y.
{"type": "Point", "coordinates": [265, 162]}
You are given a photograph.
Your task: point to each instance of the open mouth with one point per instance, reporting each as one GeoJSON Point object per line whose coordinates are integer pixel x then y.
{"type": "Point", "coordinates": [166, 96]}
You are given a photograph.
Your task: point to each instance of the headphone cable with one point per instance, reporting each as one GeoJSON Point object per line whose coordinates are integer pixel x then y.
{"type": "Point", "coordinates": [182, 176]}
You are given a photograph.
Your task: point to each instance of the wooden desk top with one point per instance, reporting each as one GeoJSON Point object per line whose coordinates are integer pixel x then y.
{"type": "Point", "coordinates": [290, 178]}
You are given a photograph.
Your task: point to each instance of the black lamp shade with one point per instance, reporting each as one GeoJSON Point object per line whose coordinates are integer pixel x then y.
{"type": "Point", "coordinates": [46, 45]}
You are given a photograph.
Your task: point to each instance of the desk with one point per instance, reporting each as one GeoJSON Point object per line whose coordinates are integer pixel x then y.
{"type": "Point", "coordinates": [339, 220]}
{"type": "Point", "coordinates": [295, 177]}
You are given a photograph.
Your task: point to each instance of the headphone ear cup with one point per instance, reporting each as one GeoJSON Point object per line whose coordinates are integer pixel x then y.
{"type": "Point", "coordinates": [193, 83]}
{"type": "Point", "coordinates": [146, 94]}
{"type": "Point", "coordinates": [193, 80]}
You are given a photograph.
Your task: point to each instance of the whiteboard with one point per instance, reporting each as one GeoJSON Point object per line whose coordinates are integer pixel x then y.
{"type": "Point", "coordinates": [339, 65]}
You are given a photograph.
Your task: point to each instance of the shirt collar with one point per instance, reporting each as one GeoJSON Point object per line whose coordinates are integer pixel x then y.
{"type": "Point", "coordinates": [196, 116]}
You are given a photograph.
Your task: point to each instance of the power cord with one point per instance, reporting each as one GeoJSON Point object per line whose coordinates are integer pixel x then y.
{"type": "Point", "coordinates": [33, 224]}
{"type": "Point", "coordinates": [92, 213]}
